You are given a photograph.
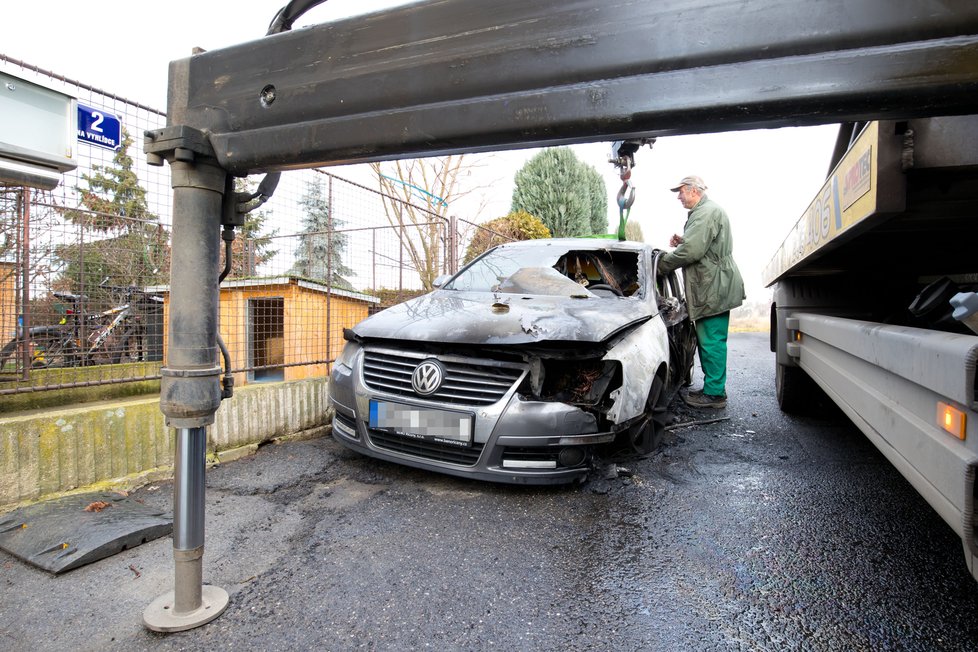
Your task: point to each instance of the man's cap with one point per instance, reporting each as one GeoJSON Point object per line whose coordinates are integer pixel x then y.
{"type": "Point", "coordinates": [690, 181]}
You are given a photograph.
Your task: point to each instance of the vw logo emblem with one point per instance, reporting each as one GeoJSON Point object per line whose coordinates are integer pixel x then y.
{"type": "Point", "coordinates": [428, 377]}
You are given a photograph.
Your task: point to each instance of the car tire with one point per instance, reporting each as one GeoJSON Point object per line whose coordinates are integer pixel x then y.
{"type": "Point", "coordinates": [647, 435]}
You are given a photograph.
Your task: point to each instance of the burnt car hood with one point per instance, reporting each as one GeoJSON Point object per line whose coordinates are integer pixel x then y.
{"type": "Point", "coordinates": [453, 317]}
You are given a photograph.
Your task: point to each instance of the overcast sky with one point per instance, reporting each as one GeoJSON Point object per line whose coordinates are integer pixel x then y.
{"type": "Point", "coordinates": [765, 179]}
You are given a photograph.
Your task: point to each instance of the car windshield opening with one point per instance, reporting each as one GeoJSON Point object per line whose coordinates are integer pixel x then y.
{"type": "Point", "coordinates": [552, 271]}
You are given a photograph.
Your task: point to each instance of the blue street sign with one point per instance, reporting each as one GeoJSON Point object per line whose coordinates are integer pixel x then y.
{"type": "Point", "coordinates": [99, 128]}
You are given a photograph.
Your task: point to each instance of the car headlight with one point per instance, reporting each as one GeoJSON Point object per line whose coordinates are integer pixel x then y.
{"type": "Point", "coordinates": [349, 352]}
{"type": "Point", "coordinates": [579, 382]}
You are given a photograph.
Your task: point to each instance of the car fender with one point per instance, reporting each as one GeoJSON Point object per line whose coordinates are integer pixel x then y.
{"type": "Point", "coordinates": [641, 353]}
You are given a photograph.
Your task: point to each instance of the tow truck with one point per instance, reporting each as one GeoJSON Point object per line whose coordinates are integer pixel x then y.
{"type": "Point", "coordinates": [442, 76]}
{"type": "Point", "coordinates": [863, 306]}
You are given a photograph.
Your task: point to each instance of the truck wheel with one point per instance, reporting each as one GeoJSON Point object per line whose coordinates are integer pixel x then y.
{"type": "Point", "coordinates": [795, 389]}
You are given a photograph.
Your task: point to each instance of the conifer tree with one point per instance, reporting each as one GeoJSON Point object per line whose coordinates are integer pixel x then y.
{"type": "Point", "coordinates": [319, 255]}
{"type": "Point", "coordinates": [121, 241]}
{"type": "Point", "coordinates": [252, 247]}
{"type": "Point", "coordinates": [561, 190]}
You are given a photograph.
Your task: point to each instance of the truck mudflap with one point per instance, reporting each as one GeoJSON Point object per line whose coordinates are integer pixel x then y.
{"type": "Point", "coordinates": [892, 381]}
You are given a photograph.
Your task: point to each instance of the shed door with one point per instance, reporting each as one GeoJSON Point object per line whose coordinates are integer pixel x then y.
{"type": "Point", "coordinates": [266, 339]}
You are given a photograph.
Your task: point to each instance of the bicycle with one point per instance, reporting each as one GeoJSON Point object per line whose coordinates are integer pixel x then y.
{"type": "Point", "coordinates": [112, 336]}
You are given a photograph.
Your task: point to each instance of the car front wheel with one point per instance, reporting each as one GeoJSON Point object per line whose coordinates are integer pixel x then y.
{"type": "Point", "coordinates": [646, 435]}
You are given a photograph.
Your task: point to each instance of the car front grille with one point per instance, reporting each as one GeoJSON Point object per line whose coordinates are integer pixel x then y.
{"type": "Point", "coordinates": [429, 450]}
{"type": "Point", "coordinates": [467, 382]}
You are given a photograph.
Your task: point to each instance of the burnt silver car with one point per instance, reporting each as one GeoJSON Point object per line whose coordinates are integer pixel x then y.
{"type": "Point", "coordinates": [521, 367]}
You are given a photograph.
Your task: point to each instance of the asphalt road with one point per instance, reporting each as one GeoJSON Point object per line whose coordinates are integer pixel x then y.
{"type": "Point", "coordinates": [761, 532]}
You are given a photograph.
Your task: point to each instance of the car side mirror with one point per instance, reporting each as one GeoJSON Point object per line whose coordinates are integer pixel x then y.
{"type": "Point", "coordinates": [441, 280]}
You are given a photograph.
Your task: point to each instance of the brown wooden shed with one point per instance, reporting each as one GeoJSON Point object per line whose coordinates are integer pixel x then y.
{"type": "Point", "coordinates": [8, 301]}
{"type": "Point", "coordinates": [283, 327]}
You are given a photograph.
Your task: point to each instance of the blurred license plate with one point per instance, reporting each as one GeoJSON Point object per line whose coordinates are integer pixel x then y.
{"type": "Point", "coordinates": [422, 423]}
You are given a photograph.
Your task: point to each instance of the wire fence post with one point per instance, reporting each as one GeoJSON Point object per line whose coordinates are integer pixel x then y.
{"type": "Point", "coordinates": [24, 209]}
{"type": "Point", "coordinates": [329, 266]}
{"type": "Point", "coordinates": [452, 254]}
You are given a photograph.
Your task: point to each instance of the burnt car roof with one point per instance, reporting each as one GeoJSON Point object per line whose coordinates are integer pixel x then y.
{"type": "Point", "coordinates": [580, 243]}
{"type": "Point", "coordinates": [513, 313]}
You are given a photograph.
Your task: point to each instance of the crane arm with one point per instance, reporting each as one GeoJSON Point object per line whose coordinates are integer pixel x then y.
{"type": "Point", "coordinates": [436, 77]}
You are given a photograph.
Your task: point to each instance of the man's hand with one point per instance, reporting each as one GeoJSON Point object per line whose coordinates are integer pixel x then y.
{"type": "Point", "coordinates": [675, 240]}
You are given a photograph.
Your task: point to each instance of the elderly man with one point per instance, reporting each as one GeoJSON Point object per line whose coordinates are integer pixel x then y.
{"type": "Point", "coordinates": [713, 285]}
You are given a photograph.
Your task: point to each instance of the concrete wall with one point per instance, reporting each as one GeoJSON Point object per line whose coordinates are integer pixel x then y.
{"type": "Point", "coordinates": [125, 442]}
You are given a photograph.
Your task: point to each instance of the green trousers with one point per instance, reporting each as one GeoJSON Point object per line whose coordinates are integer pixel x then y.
{"type": "Point", "coordinates": [711, 333]}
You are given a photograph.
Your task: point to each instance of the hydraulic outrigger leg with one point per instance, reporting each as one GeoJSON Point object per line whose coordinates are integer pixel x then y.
{"type": "Point", "coordinates": [190, 391]}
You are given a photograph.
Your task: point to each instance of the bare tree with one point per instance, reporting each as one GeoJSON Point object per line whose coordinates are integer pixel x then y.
{"type": "Point", "coordinates": [417, 195]}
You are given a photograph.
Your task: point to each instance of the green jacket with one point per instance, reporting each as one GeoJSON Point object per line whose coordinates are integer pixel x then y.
{"type": "Point", "coordinates": [713, 282]}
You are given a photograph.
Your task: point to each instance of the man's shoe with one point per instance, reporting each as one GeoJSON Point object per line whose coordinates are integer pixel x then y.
{"type": "Point", "coordinates": [706, 401]}
{"type": "Point", "coordinates": [695, 392]}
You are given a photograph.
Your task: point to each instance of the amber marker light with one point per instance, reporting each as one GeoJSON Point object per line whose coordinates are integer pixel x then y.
{"type": "Point", "coordinates": [951, 419]}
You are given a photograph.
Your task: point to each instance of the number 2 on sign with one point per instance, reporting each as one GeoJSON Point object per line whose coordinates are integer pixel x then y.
{"type": "Point", "coordinates": [98, 120]}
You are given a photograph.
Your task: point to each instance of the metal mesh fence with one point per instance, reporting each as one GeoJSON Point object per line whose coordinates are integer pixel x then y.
{"type": "Point", "coordinates": [76, 260]}
{"type": "Point", "coordinates": [320, 256]}
{"type": "Point", "coordinates": [84, 269]}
